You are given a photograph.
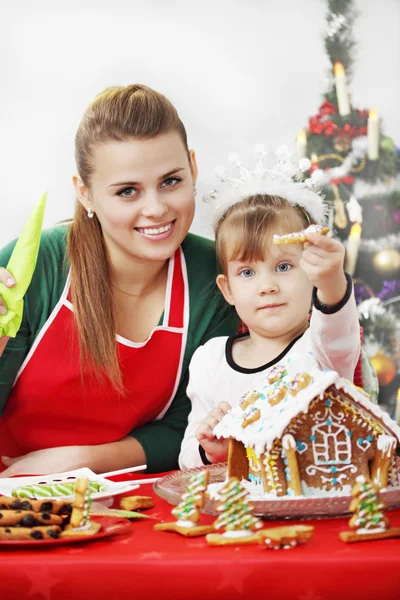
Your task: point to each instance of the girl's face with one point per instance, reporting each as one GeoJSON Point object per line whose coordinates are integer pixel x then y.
{"type": "Point", "coordinates": [142, 193]}
{"type": "Point", "coordinates": [272, 297]}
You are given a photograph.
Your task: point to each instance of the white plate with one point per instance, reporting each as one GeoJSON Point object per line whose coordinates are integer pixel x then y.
{"type": "Point", "coordinates": [112, 488]}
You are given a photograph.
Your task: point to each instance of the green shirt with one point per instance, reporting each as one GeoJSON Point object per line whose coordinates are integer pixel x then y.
{"type": "Point", "coordinates": [210, 317]}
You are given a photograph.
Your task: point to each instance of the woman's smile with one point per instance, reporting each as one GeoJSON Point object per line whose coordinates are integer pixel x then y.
{"type": "Point", "coordinates": [157, 233]}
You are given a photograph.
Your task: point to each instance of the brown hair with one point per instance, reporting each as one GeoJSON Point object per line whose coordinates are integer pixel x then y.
{"type": "Point", "coordinates": [116, 114]}
{"type": "Point", "coordinates": [245, 229]}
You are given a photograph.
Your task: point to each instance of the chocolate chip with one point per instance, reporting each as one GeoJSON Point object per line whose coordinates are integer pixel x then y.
{"type": "Point", "coordinates": [52, 534]}
{"type": "Point", "coordinates": [7, 530]}
{"type": "Point", "coordinates": [25, 505]}
{"type": "Point", "coordinates": [45, 516]}
{"type": "Point", "coordinates": [46, 506]}
{"type": "Point", "coordinates": [29, 521]}
{"type": "Point", "coordinates": [36, 535]}
{"type": "Point", "coordinates": [16, 504]}
{"type": "Point", "coordinates": [1, 515]}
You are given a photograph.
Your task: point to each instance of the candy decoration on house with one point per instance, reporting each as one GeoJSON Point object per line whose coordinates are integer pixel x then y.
{"type": "Point", "coordinates": [235, 517]}
{"type": "Point", "coordinates": [187, 512]}
{"type": "Point", "coordinates": [357, 167]}
{"type": "Point", "coordinates": [369, 521]}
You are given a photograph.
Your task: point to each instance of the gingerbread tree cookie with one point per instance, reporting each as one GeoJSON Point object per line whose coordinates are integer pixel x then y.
{"type": "Point", "coordinates": [369, 521]}
{"type": "Point", "coordinates": [235, 517]}
{"type": "Point", "coordinates": [188, 510]}
{"type": "Point", "coordinates": [80, 522]}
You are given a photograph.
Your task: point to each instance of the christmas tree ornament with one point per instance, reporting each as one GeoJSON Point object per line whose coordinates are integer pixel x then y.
{"type": "Point", "coordinates": [384, 367]}
{"type": "Point", "coordinates": [387, 262]}
{"type": "Point", "coordinates": [342, 143]}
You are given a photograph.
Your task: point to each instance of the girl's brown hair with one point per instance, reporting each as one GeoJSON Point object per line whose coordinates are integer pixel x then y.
{"type": "Point", "coordinates": [116, 114]}
{"type": "Point", "coordinates": [245, 229]}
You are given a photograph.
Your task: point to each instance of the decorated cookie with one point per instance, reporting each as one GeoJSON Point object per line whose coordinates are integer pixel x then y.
{"type": "Point", "coordinates": [251, 414]}
{"type": "Point", "coordinates": [235, 517]}
{"type": "Point", "coordinates": [301, 381]}
{"type": "Point", "coordinates": [286, 536]}
{"type": "Point", "coordinates": [188, 510]}
{"type": "Point", "coordinates": [368, 522]}
{"type": "Point", "coordinates": [276, 394]}
{"type": "Point", "coordinates": [249, 399]}
{"type": "Point", "coordinates": [80, 522]}
{"type": "Point", "coordinates": [276, 373]}
{"type": "Point", "coordinates": [299, 237]}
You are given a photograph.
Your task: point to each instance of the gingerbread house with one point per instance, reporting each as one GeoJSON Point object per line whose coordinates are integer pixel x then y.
{"type": "Point", "coordinates": [309, 433]}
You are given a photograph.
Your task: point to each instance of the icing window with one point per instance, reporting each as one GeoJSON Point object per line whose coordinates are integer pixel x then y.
{"type": "Point", "coordinates": [331, 444]}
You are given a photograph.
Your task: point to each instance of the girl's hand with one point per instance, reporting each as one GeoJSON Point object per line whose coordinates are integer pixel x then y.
{"type": "Point", "coordinates": [9, 281]}
{"type": "Point", "coordinates": [50, 460]}
{"type": "Point", "coordinates": [322, 261]}
{"type": "Point", "coordinates": [216, 450]}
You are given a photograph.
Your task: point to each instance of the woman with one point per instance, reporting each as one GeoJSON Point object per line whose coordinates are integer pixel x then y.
{"type": "Point", "coordinates": [119, 301]}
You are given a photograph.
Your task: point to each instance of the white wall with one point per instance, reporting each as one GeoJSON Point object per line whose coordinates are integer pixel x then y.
{"type": "Point", "coordinates": [239, 72]}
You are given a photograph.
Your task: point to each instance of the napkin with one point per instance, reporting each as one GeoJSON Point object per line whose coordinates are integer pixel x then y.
{"type": "Point", "coordinates": [21, 265]}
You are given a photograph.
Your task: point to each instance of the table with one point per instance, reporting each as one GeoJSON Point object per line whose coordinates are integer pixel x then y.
{"type": "Point", "coordinates": [147, 564]}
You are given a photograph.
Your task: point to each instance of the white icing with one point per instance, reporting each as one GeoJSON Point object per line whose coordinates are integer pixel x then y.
{"type": "Point", "coordinates": [236, 533]}
{"type": "Point", "coordinates": [261, 434]}
{"type": "Point", "coordinates": [375, 530]}
{"type": "Point", "coordinates": [387, 444]}
{"type": "Point", "coordinates": [185, 523]}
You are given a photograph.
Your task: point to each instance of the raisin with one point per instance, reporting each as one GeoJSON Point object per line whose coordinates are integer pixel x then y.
{"type": "Point", "coordinates": [25, 505]}
{"type": "Point", "coordinates": [47, 506]}
{"type": "Point", "coordinates": [29, 521]}
{"type": "Point", "coordinates": [52, 534]}
{"type": "Point", "coordinates": [36, 535]}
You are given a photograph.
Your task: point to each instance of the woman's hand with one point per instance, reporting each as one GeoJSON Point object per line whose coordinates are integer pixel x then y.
{"type": "Point", "coordinates": [216, 450]}
{"type": "Point", "coordinates": [50, 460]}
{"type": "Point", "coordinates": [322, 261]}
{"type": "Point", "coordinates": [9, 281]}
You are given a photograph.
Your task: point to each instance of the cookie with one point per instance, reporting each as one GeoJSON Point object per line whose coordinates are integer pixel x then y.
{"type": "Point", "coordinates": [29, 533]}
{"type": "Point", "coordinates": [90, 528]}
{"type": "Point", "coordinates": [55, 507]}
{"type": "Point", "coordinates": [136, 502]}
{"type": "Point", "coordinates": [192, 531]}
{"type": "Point", "coordinates": [299, 237]}
{"type": "Point", "coordinates": [286, 536]}
{"type": "Point", "coordinates": [221, 539]}
{"type": "Point", "coordinates": [28, 518]}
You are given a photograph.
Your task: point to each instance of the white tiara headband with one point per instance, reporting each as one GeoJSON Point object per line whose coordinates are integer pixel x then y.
{"type": "Point", "coordinates": [281, 180]}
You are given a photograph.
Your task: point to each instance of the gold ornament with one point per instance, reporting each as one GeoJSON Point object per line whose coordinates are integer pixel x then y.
{"type": "Point", "coordinates": [387, 262]}
{"type": "Point", "coordinates": [384, 367]}
{"type": "Point", "coordinates": [340, 218]}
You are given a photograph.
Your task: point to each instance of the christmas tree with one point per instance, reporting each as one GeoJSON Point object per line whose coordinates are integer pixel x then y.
{"type": "Point", "coordinates": [193, 499]}
{"type": "Point", "coordinates": [235, 508]}
{"type": "Point", "coordinates": [367, 507]}
{"type": "Point", "coordinates": [357, 168]}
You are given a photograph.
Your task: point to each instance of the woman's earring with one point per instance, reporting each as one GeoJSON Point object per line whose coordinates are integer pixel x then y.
{"type": "Point", "coordinates": [90, 213]}
{"type": "Point", "coordinates": [194, 190]}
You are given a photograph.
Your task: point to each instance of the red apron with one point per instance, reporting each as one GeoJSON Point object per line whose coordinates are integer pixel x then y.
{"type": "Point", "coordinates": [52, 404]}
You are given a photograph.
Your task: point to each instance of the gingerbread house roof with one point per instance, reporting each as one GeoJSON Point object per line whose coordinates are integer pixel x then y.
{"type": "Point", "coordinates": [270, 408]}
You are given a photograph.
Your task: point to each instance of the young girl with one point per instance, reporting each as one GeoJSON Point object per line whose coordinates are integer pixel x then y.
{"type": "Point", "coordinates": [120, 299]}
{"type": "Point", "coordinates": [272, 288]}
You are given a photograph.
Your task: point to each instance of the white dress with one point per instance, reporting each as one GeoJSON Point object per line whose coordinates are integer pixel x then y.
{"type": "Point", "coordinates": [331, 342]}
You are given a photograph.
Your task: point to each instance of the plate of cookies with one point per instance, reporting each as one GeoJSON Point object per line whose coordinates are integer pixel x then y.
{"type": "Point", "coordinates": [42, 522]}
{"type": "Point", "coordinates": [171, 487]}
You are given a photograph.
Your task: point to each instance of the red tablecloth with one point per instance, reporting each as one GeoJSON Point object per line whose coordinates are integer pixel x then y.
{"type": "Point", "coordinates": [147, 564]}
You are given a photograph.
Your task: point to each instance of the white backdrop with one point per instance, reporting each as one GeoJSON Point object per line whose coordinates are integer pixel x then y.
{"type": "Point", "coordinates": [238, 71]}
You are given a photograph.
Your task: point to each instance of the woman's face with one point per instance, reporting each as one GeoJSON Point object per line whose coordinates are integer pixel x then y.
{"type": "Point", "coordinates": [142, 193]}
